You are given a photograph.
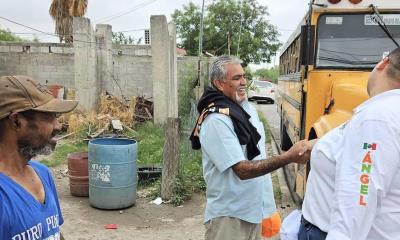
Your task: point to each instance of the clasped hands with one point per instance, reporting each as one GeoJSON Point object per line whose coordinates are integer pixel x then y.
{"type": "Point", "coordinates": [300, 152]}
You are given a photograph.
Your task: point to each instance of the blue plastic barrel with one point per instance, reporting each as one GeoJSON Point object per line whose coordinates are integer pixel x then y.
{"type": "Point", "coordinates": [112, 173]}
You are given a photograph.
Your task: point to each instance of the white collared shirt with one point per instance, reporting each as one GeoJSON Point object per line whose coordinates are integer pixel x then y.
{"type": "Point", "coordinates": [353, 191]}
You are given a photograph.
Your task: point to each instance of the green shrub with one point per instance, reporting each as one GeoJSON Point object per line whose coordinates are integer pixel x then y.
{"type": "Point", "coordinates": [267, 130]}
{"type": "Point", "coordinates": [151, 139]}
{"type": "Point", "coordinates": [62, 150]}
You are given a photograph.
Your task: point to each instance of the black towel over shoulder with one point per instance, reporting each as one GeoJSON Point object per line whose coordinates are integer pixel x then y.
{"type": "Point", "coordinates": [214, 101]}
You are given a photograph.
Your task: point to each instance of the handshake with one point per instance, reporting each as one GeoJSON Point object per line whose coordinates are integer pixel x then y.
{"type": "Point", "coordinates": [300, 152]}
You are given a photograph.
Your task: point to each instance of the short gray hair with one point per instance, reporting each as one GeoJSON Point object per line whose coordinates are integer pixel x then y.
{"type": "Point", "coordinates": [394, 66]}
{"type": "Point", "coordinates": [218, 70]}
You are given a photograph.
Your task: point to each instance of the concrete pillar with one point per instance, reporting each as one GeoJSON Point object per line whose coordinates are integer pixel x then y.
{"type": "Point", "coordinates": [86, 82]}
{"type": "Point", "coordinates": [173, 79]}
{"type": "Point", "coordinates": [160, 45]}
{"type": "Point", "coordinates": [105, 70]}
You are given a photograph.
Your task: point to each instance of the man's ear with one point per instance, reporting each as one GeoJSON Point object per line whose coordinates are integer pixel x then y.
{"type": "Point", "coordinates": [14, 120]}
{"type": "Point", "coordinates": [217, 84]}
{"type": "Point", "coordinates": [382, 64]}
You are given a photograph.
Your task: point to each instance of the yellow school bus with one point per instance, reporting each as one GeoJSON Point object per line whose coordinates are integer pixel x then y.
{"type": "Point", "coordinates": [324, 68]}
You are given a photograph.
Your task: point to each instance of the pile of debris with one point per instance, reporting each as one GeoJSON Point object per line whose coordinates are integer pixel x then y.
{"type": "Point", "coordinates": [112, 117]}
{"type": "Point", "coordinates": [143, 110]}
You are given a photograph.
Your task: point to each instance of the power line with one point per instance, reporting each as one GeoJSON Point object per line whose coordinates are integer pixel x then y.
{"type": "Point", "coordinates": [285, 30]}
{"type": "Point", "coordinates": [120, 14]}
{"type": "Point", "coordinates": [26, 33]}
{"type": "Point", "coordinates": [40, 31]}
{"type": "Point", "coordinates": [37, 33]}
{"type": "Point", "coordinates": [131, 30]}
{"type": "Point", "coordinates": [43, 38]}
{"type": "Point", "coordinates": [34, 29]}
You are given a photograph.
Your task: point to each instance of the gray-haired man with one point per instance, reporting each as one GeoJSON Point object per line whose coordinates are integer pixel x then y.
{"type": "Point", "coordinates": [235, 168]}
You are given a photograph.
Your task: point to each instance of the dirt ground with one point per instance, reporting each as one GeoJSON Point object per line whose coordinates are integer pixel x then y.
{"type": "Point", "coordinates": [141, 221]}
{"type": "Point", "coordinates": [144, 220]}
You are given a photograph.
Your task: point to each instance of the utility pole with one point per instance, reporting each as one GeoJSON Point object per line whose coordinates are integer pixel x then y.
{"type": "Point", "coordinates": [201, 31]}
{"type": "Point", "coordinates": [198, 85]}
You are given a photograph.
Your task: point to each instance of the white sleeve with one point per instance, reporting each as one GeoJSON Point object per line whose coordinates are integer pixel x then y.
{"type": "Point", "coordinates": [363, 175]}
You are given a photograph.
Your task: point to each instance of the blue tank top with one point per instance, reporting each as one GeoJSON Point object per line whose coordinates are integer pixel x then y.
{"type": "Point", "coordinates": [22, 217]}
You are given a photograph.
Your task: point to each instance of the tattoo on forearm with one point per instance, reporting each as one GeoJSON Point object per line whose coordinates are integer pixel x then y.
{"type": "Point", "coordinates": [251, 169]}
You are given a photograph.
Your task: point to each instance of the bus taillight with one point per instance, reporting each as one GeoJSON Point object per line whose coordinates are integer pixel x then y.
{"type": "Point", "coordinates": [355, 1]}
{"type": "Point", "coordinates": [334, 1]}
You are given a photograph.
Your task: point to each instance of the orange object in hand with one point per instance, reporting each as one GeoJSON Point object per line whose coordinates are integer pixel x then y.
{"type": "Point", "coordinates": [271, 226]}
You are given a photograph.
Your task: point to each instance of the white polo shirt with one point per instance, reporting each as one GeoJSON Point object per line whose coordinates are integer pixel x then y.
{"type": "Point", "coordinates": [353, 191]}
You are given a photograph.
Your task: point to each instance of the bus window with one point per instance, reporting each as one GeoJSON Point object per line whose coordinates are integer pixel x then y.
{"type": "Point", "coordinates": [353, 40]}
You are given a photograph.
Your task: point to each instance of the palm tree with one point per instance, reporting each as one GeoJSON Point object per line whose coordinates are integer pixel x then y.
{"type": "Point", "coordinates": [63, 11]}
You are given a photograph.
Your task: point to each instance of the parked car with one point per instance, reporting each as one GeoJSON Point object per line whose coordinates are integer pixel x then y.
{"type": "Point", "coordinates": [261, 91]}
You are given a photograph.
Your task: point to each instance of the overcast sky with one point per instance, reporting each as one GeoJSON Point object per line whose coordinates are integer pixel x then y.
{"type": "Point", "coordinates": [131, 14]}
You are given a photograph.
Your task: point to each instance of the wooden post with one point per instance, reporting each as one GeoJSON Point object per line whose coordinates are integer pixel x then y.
{"type": "Point", "coordinates": [170, 158]}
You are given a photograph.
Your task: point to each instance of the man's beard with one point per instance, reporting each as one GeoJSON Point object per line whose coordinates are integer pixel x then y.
{"type": "Point", "coordinates": [30, 152]}
{"type": "Point", "coordinates": [238, 98]}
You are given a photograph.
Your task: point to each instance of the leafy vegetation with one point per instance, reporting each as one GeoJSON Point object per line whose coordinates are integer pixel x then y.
{"type": "Point", "coordinates": [271, 73]}
{"type": "Point", "coordinates": [151, 139]}
{"type": "Point", "coordinates": [6, 35]}
{"type": "Point", "coordinates": [230, 27]}
{"type": "Point", "coordinates": [277, 189]}
{"type": "Point", "coordinates": [249, 74]}
{"type": "Point", "coordinates": [62, 150]}
{"type": "Point", "coordinates": [186, 93]}
{"type": "Point", "coordinates": [267, 130]}
{"type": "Point", "coordinates": [120, 38]}
{"type": "Point", "coordinates": [190, 177]}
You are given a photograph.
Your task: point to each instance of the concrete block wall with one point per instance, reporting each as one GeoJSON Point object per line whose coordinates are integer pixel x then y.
{"type": "Point", "coordinates": [133, 74]}
{"type": "Point", "coordinates": [47, 62]}
{"type": "Point", "coordinates": [133, 71]}
{"type": "Point", "coordinates": [132, 50]}
{"type": "Point", "coordinates": [92, 64]}
{"type": "Point", "coordinates": [187, 66]}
